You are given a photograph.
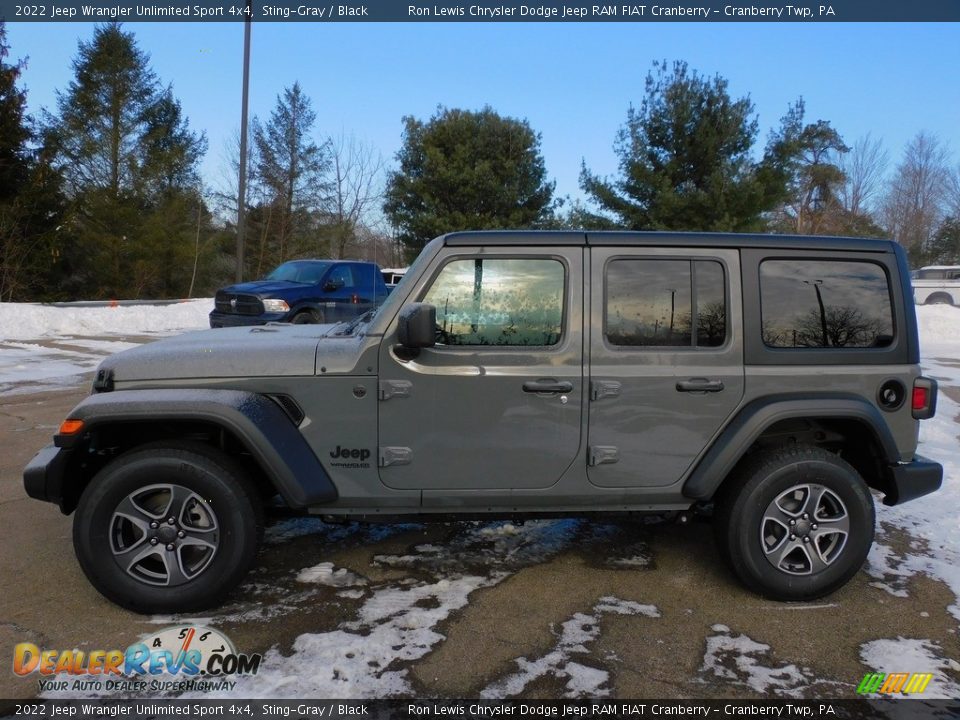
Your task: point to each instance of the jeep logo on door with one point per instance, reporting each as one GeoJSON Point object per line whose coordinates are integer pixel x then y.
{"type": "Point", "coordinates": [350, 457]}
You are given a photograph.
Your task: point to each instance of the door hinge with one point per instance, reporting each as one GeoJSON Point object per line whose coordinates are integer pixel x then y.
{"type": "Point", "coordinates": [393, 388]}
{"type": "Point", "coordinates": [395, 456]}
{"type": "Point", "coordinates": [600, 389]}
{"type": "Point", "coordinates": [603, 455]}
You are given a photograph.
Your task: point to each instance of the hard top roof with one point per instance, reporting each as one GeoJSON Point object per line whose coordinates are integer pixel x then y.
{"type": "Point", "coordinates": [640, 238]}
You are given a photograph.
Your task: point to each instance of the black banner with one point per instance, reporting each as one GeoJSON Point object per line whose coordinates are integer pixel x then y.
{"type": "Point", "coordinates": [480, 11]}
{"type": "Point", "coordinates": [896, 709]}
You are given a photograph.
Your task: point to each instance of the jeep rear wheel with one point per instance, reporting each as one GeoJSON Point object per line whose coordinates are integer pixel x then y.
{"type": "Point", "coordinates": [796, 523]}
{"type": "Point", "coordinates": [168, 528]}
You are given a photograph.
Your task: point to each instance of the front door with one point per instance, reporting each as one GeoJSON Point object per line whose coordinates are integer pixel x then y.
{"type": "Point", "coordinates": [666, 360]}
{"type": "Point", "coordinates": [496, 405]}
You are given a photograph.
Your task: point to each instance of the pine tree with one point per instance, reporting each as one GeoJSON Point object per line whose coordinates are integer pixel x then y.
{"type": "Point", "coordinates": [130, 164]}
{"type": "Point", "coordinates": [14, 132]}
{"type": "Point", "coordinates": [291, 176]}
{"type": "Point", "coordinates": [30, 201]}
{"type": "Point", "coordinates": [685, 159]}
{"type": "Point", "coordinates": [811, 155]}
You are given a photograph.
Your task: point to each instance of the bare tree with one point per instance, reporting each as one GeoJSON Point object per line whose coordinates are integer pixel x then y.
{"type": "Point", "coordinates": [914, 204]}
{"type": "Point", "coordinates": [863, 168]}
{"type": "Point", "coordinates": [357, 180]}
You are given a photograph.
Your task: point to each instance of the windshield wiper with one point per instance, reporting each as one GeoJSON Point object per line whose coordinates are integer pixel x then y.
{"type": "Point", "coordinates": [360, 319]}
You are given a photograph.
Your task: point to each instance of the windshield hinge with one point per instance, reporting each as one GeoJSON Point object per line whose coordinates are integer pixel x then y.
{"type": "Point", "coordinates": [394, 388]}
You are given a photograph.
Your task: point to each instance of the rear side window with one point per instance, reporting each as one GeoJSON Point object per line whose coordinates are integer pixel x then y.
{"type": "Point", "coordinates": [665, 303]}
{"type": "Point", "coordinates": [490, 301]}
{"type": "Point", "coordinates": [825, 304]}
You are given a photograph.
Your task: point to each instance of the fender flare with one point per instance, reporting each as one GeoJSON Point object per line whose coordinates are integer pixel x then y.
{"type": "Point", "coordinates": [741, 432]}
{"type": "Point", "coordinates": [258, 422]}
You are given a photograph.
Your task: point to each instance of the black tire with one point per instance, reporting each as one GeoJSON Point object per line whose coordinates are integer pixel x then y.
{"type": "Point", "coordinates": [768, 495]}
{"type": "Point", "coordinates": [217, 511]}
{"type": "Point", "coordinates": [308, 317]}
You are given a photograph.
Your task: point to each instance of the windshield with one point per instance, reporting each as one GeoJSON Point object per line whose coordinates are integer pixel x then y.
{"type": "Point", "coordinates": [308, 273]}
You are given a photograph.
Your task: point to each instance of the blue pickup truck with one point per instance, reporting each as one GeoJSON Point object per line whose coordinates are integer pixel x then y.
{"type": "Point", "coordinates": [302, 291]}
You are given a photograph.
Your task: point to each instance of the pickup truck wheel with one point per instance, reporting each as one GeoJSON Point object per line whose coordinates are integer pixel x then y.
{"type": "Point", "coordinates": [168, 528]}
{"type": "Point", "coordinates": [308, 317]}
{"type": "Point", "coordinates": [796, 523]}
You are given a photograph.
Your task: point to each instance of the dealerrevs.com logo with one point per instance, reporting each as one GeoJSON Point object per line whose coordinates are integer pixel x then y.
{"type": "Point", "coordinates": [176, 659]}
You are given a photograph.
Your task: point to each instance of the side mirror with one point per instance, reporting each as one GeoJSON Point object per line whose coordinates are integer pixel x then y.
{"type": "Point", "coordinates": [332, 285]}
{"type": "Point", "coordinates": [417, 325]}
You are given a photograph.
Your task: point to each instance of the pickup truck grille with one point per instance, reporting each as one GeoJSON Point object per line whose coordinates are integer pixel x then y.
{"type": "Point", "coordinates": [238, 304]}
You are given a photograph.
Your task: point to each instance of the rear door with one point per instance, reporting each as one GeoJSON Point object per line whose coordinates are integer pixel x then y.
{"type": "Point", "coordinates": [666, 359]}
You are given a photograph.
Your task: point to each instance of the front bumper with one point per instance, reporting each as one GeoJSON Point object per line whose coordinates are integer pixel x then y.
{"type": "Point", "coordinates": [44, 475]}
{"type": "Point", "coordinates": [908, 481]}
{"type": "Point", "coordinates": [220, 319]}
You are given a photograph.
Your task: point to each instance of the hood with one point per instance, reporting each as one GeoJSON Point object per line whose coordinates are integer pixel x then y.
{"type": "Point", "coordinates": [258, 351]}
{"type": "Point", "coordinates": [263, 287]}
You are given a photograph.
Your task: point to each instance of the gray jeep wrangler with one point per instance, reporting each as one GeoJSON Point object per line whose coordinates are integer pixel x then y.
{"type": "Point", "coordinates": [770, 381]}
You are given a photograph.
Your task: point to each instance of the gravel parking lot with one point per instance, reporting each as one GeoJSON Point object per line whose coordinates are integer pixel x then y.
{"type": "Point", "coordinates": [540, 609]}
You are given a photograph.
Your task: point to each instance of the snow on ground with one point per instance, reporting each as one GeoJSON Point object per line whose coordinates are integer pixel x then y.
{"type": "Point", "coordinates": [27, 321]}
{"type": "Point", "coordinates": [397, 620]}
{"type": "Point", "coordinates": [739, 660]}
{"type": "Point", "coordinates": [65, 343]}
{"type": "Point", "coordinates": [583, 681]}
{"type": "Point", "coordinates": [915, 656]}
{"type": "Point", "coordinates": [933, 521]}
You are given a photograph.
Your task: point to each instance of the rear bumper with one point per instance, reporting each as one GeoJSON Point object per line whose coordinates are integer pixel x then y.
{"type": "Point", "coordinates": [908, 481]}
{"type": "Point", "coordinates": [44, 475]}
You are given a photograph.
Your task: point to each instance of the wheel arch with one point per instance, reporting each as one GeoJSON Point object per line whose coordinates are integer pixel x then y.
{"type": "Point", "coordinates": [940, 296]}
{"type": "Point", "coordinates": [241, 423]}
{"type": "Point", "coordinates": [847, 424]}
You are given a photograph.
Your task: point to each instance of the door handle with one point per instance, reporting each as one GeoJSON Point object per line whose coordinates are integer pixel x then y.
{"type": "Point", "coordinates": [547, 386]}
{"type": "Point", "coordinates": [699, 385]}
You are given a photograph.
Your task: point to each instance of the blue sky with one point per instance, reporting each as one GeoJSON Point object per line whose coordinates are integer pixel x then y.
{"type": "Point", "coordinates": [573, 83]}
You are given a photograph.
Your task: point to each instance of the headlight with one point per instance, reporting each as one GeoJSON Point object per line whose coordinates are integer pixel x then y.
{"type": "Point", "coordinates": [275, 305]}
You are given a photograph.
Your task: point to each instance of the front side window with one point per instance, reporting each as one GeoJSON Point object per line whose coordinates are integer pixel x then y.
{"type": "Point", "coordinates": [341, 276]}
{"type": "Point", "coordinates": [825, 304]}
{"type": "Point", "coordinates": [490, 301]}
{"type": "Point", "coordinates": [665, 303]}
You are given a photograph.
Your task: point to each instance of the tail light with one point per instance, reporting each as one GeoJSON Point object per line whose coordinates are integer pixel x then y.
{"type": "Point", "coordinates": [923, 401]}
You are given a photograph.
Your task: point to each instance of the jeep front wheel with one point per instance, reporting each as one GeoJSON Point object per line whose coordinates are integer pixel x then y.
{"type": "Point", "coordinates": [796, 523]}
{"type": "Point", "coordinates": [168, 528]}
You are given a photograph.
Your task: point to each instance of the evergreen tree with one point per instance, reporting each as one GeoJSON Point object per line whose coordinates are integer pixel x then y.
{"type": "Point", "coordinates": [291, 176]}
{"type": "Point", "coordinates": [14, 132]}
{"type": "Point", "coordinates": [465, 170]}
{"type": "Point", "coordinates": [812, 155]}
{"type": "Point", "coordinates": [30, 201]}
{"type": "Point", "coordinates": [101, 123]}
{"type": "Point", "coordinates": [685, 159]}
{"type": "Point", "coordinates": [944, 248]}
{"type": "Point", "coordinates": [130, 164]}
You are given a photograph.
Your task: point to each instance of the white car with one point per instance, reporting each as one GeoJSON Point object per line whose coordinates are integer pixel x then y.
{"type": "Point", "coordinates": [936, 284]}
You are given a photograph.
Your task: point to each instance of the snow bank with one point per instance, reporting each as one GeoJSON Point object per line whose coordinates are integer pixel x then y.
{"type": "Point", "coordinates": [939, 328]}
{"type": "Point", "coordinates": [25, 321]}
